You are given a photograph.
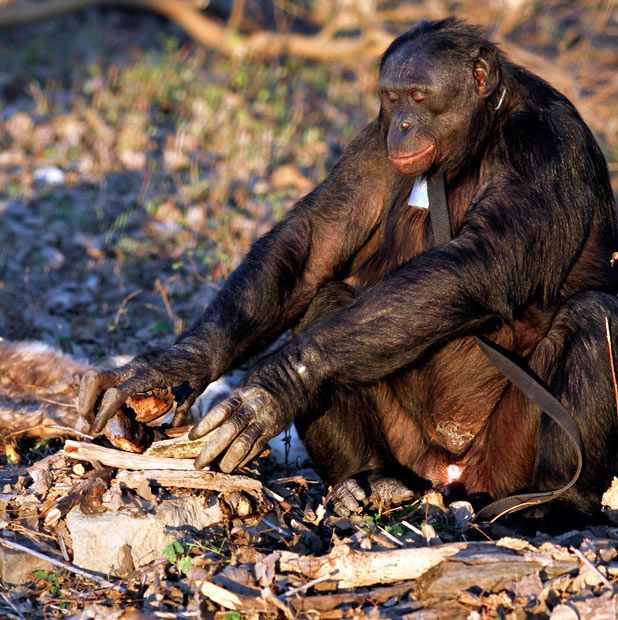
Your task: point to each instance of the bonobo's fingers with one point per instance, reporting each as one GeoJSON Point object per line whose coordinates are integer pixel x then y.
{"type": "Point", "coordinates": [219, 440]}
{"type": "Point", "coordinates": [241, 424]}
{"type": "Point", "coordinates": [347, 496]}
{"type": "Point", "coordinates": [91, 386]}
{"type": "Point", "coordinates": [241, 447]}
{"type": "Point", "coordinates": [182, 410]}
{"type": "Point", "coordinates": [116, 396]}
{"type": "Point", "coordinates": [258, 448]}
{"type": "Point", "coordinates": [215, 417]}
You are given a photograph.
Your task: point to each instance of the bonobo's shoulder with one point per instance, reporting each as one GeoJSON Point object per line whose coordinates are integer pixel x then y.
{"type": "Point", "coordinates": [369, 140]}
{"type": "Point", "coordinates": [543, 127]}
{"type": "Point", "coordinates": [539, 107]}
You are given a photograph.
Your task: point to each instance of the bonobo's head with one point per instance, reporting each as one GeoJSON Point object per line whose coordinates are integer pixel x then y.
{"type": "Point", "coordinates": [439, 86]}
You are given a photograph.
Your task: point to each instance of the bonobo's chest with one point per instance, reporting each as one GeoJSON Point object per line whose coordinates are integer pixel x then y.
{"type": "Point", "coordinates": [405, 232]}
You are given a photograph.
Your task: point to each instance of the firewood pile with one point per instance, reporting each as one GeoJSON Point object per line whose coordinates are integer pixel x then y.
{"type": "Point", "coordinates": [93, 531]}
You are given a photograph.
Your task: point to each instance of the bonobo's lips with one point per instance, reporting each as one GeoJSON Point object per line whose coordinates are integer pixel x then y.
{"type": "Point", "coordinates": [415, 162]}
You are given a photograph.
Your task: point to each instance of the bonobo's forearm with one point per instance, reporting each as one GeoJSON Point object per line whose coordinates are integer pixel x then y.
{"type": "Point", "coordinates": [435, 298]}
{"type": "Point", "coordinates": [281, 274]}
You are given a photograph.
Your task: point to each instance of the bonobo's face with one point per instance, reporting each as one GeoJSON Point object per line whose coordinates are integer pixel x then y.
{"type": "Point", "coordinates": [428, 102]}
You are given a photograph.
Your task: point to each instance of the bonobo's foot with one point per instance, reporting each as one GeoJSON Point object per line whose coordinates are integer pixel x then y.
{"type": "Point", "coordinates": [350, 495]}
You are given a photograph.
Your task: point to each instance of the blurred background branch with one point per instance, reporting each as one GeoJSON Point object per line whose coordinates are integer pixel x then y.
{"type": "Point", "coordinates": [341, 30]}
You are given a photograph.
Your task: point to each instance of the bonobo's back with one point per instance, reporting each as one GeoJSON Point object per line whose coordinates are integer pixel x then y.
{"type": "Point", "coordinates": [557, 157]}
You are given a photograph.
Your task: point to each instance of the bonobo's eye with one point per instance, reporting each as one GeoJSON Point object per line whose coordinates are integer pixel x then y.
{"type": "Point", "coordinates": [418, 96]}
{"type": "Point", "coordinates": [393, 97]}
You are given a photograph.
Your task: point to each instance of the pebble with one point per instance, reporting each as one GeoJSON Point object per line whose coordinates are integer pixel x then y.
{"type": "Point", "coordinates": [49, 175]}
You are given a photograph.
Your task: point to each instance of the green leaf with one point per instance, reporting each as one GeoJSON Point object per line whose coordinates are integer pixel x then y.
{"type": "Point", "coordinates": [184, 565]}
{"type": "Point", "coordinates": [40, 574]}
{"type": "Point", "coordinates": [232, 615]}
{"type": "Point", "coordinates": [178, 548]}
{"type": "Point", "coordinates": [169, 553]}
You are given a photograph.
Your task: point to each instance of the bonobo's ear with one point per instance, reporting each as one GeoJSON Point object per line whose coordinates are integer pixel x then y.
{"type": "Point", "coordinates": [486, 72]}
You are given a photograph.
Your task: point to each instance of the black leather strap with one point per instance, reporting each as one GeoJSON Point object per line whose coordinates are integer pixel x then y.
{"type": "Point", "coordinates": [516, 371]}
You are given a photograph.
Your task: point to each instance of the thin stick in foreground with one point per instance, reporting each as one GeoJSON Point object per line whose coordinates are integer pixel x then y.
{"type": "Point", "coordinates": [60, 564]}
{"type": "Point", "coordinates": [611, 360]}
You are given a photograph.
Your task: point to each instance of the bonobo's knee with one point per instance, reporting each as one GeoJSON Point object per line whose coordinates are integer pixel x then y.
{"type": "Point", "coordinates": [589, 309]}
{"type": "Point", "coordinates": [330, 299]}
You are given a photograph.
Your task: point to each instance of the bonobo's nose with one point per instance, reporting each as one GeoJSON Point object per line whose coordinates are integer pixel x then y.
{"type": "Point", "coordinates": [405, 124]}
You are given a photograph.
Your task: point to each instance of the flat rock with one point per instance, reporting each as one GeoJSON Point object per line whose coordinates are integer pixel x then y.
{"type": "Point", "coordinates": [101, 542]}
{"type": "Point", "coordinates": [17, 567]}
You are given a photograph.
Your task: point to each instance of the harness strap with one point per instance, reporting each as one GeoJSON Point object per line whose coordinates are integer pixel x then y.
{"type": "Point", "coordinates": [516, 371]}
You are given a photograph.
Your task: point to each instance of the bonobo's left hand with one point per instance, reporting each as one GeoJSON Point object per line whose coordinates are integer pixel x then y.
{"type": "Point", "coordinates": [245, 422]}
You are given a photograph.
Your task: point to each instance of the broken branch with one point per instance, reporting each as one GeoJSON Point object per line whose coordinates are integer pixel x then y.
{"type": "Point", "coordinates": [122, 460]}
{"type": "Point", "coordinates": [207, 480]}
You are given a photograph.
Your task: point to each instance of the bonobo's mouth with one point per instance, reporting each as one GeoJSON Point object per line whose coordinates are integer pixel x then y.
{"type": "Point", "coordinates": [414, 162]}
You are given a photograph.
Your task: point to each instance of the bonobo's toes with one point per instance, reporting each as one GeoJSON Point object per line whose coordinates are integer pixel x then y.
{"type": "Point", "coordinates": [346, 497]}
{"type": "Point", "coordinates": [385, 491]}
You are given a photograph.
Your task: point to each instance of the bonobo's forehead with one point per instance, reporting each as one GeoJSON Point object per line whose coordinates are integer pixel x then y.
{"type": "Point", "coordinates": [416, 65]}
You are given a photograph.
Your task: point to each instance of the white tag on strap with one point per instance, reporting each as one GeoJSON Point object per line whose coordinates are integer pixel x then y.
{"type": "Point", "coordinates": [418, 196]}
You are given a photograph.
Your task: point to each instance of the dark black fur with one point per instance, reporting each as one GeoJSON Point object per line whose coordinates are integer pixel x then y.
{"type": "Point", "coordinates": [532, 214]}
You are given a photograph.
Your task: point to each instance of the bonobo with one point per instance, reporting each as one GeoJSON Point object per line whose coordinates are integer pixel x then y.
{"type": "Point", "coordinates": [383, 376]}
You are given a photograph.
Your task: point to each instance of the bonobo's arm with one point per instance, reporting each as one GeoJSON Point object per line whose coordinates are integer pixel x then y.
{"type": "Point", "coordinates": [514, 248]}
{"type": "Point", "coordinates": [283, 270]}
{"type": "Point", "coordinates": [269, 290]}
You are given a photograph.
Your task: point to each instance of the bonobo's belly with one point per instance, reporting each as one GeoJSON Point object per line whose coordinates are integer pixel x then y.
{"type": "Point", "coordinates": [449, 396]}
{"type": "Point", "coordinates": [443, 417]}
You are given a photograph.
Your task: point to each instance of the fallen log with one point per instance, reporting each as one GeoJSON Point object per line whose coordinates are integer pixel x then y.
{"type": "Point", "coordinates": [90, 452]}
{"type": "Point", "coordinates": [352, 569]}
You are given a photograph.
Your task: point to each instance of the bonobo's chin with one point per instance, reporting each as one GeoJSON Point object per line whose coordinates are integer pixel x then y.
{"type": "Point", "coordinates": [414, 163]}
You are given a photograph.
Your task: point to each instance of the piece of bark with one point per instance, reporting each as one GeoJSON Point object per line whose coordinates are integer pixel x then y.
{"type": "Point", "coordinates": [489, 572]}
{"type": "Point", "coordinates": [179, 447]}
{"type": "Point", "coordinates": [193, 479]}
{"type": "Point", "coordinates": [91, 502]}
{"type": "Point", "coordinates": [124, 435]}
{"type": "Point", "coordinates": [151, 406]}
{"type": "Point", "coordinates": [122, 460]}
{"type": "Point", "coordinates": [326, 602]}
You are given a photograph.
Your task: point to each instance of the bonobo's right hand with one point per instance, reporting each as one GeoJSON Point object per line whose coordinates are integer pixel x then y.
{"type": "Point", "coordinates": [179, 366]}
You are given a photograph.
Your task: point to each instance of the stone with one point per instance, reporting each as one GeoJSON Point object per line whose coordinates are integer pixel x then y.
{"type": "Point", "coordinates": [564, 612]}
{"type": "Point", "coordinates": [463, 514]}
{"type": "Point", "coordinates": [610, 501]}
{"type": "Point", "coordinates": [17, 567]}
{"type": "Point", "coordinates": [101, 543]}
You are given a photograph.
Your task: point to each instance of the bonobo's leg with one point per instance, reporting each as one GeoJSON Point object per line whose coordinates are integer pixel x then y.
{"type": "Point", "coordinates": [574, 361]}
{"type": "Point", "coordinates": [345, 439]}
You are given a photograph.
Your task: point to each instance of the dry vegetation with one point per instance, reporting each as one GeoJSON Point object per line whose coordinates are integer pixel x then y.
{"type": "Point", "coordinates": [136, 167]}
